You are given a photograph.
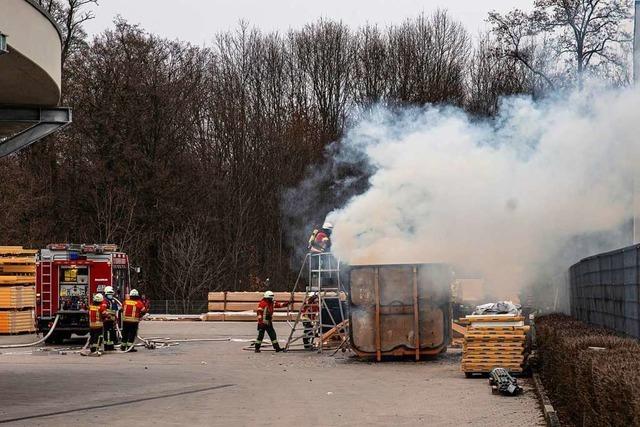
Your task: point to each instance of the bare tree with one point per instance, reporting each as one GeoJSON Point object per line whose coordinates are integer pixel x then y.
{"type": "Point", "coordinates": [492, 76]}
{"type": "Point", "coordinates": [187, 265]}
{"type": "Point", "coordinates": [70, 16]}
{"type": "Point", "coordinates": [585, 33]}
{"type": "Point", "coordinates": [426, 60]}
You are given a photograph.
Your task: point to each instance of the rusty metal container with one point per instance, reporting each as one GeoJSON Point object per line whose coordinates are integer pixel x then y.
{"type": "Point", "coordinates": [400, 310]}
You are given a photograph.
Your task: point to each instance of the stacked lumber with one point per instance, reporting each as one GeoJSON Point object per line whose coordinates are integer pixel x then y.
{"type": "Point", "coordinates": [492, 341]}
{"type": "Point", "coordinates": [17, 289]}
{"type": "Point", "coordinates": [241, 306]}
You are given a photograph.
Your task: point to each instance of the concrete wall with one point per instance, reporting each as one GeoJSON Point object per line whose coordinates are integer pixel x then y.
{"type": "Point", "coordinates": [30, 74]}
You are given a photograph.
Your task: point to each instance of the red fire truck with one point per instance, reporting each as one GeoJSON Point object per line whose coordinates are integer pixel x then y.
{"type": "Point", "coordinates": [67, 277]}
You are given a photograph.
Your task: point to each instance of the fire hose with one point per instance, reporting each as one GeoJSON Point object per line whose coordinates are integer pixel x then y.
{"type": "Point", "coordinates": [43, 339]}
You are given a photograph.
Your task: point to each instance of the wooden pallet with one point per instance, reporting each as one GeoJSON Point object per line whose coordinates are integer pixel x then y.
{"type": "Point", "coordinates": [12, 269]}
{"type": "Point", "coordinates": [12, 297]}
{"type": "Point", "coordinates": [495, 344]}
{"type": "Point", "coordinates": [18, 260]}
{"type": "Point", "coordinates": [17, 280]}
{"type": "Point", "coordinates": [16, 250]}
{"type": "Point", "coordinates": [485, 318]}
{"type": "Point", "coordinates": [483, 331]}
{"type": "Point", "coordinates": [475, 354]}
{"type": "Point", "coordinates": [498, 329]}
{"type": "Point", "coordinates": [13, 322]}
{"type": "Point", "coordinates": [230, 316]}
{"type": "Point", "coordinates": [246, 306]}
{"type": "Point", "coordinates": [253, 297]}
{"type": "Point", "coordinates": [495, 338]}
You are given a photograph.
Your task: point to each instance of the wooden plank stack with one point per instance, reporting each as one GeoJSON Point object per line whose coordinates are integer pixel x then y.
{"type": "Point", "coordinates": [17, 289]}
{"type": "Point", "coordinates": [492, 341]}
{"type": "Point", "coordinates": [241, 306]}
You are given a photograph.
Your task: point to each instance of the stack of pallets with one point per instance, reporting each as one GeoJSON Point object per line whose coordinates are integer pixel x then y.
{"type": "Point", "coordinates": [17, 289]}
{"type": "Point", "coordinates": [241, 306]}
{"type": "Point", "coordinates": [493, 341]}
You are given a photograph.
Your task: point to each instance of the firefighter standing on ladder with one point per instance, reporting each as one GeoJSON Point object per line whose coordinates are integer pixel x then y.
{"type": "Point", "coordinates": [320, 240]}
{"type": "Point", "coordinates": [265, 321]}
{"type": "Point", "coordinates": [110, 336]}
{"type": "Point", "coordinates": [132, 311]}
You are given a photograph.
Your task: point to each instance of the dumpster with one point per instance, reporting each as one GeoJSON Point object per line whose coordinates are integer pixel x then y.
{"type": "Point", "coordinates": [400, 310]}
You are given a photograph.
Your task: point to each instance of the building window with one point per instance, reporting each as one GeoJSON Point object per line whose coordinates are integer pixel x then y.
{"type": "Point", "coordinates": [3, 44]}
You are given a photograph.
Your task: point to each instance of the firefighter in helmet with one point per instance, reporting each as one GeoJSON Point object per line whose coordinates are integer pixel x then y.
{"type": "Point", "coordinates": [97, 313]}
{"type": "Point", "coordinates": [320, 240]}
{"type": "Point", "coordinates": [132, 311]}
{"type": "Point", "coordinates": [265, 320]}
{"type": "Point", "coordinates": [111, 317]}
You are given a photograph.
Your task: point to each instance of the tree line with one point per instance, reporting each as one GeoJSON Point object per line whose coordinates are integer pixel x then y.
{"type": "Point", "coordinates": [185, 156]}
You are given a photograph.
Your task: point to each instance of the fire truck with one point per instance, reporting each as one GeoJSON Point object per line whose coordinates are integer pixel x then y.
{"type": "Point", "coordinates": [67, 277]}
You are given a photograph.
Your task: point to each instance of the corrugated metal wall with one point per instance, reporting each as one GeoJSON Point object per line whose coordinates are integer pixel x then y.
{"type": "Point", "coordinates": [605, 290]}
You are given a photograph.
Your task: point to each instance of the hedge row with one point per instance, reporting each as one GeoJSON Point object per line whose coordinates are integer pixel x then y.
{"type": "Point", "coordinates": [597, 386]}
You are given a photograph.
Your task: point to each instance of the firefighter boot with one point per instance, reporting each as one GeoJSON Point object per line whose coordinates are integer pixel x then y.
{"type": "Point", "coordinates": [257, 348]}
{"type": "Point", "coordinates": [276, 347]}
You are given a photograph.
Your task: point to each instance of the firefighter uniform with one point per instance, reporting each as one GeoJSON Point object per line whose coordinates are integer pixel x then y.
{"type": "Point", "coordinates": [97, 313]}
{"type": "Point", "coordinates": [265, 320]}
{"type": "Point", "coordinates": [111, 317]}
{"type": "Point", "coordinates": [320, 239]}
{"type": "Point", "coordinates": [132, 311]}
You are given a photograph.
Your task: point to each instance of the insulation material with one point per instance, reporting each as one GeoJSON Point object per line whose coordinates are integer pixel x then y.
{"type": "Point", "coordinates": [17, 289]}
{"type": "Point", "coordinates": [494, 342]}
{"type": "Point", "coordinates": [14, 321]}
{"type": "Point", "coordinates": [17, 297]}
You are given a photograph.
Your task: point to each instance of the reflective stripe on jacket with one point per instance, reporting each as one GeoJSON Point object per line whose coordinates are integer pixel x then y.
{"type": "Point", "coordinates": [96, 313]}
{"type": "Point", "coordinates": [265, 310]}
{"type": "Point", "coordinates": [133, 310]}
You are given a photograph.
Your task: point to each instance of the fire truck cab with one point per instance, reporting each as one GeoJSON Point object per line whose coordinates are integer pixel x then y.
{"type": "Point", "coordinates": [67, 277]}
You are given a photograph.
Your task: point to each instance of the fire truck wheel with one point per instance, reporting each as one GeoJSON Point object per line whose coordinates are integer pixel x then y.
{"type": "Point", "coordinates": [57, 338]}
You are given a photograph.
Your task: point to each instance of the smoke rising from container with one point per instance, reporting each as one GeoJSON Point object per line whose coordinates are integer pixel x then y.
{"type": "Point", "coordinates": [505, 197]}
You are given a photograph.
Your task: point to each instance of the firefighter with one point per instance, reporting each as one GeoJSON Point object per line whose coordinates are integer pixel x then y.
{"type": "Point", "coordinates": [97, 313]}
{"type": "Point", "coordinates": [309, 314]}
{"type": "Point", "coordinates": [110, 336]}
{"type": "Point", "coordinates": [265, 320]}
{"type": "Point", "coordinates": [320, 240]}
{"type": "Point", "coordinates": [132, 311]}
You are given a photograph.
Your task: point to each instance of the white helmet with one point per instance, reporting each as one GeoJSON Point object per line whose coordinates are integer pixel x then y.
{"type": "Point", "coordinates": [98, 298]}
{"type": "Point", "coordinates": [108, 290]}
{"type": "Point", "coordinates": [268, 295]}
{"type": "Point", "coordinates": [327, 226]}
{"type": "Point", "coordinates": [134, 293]}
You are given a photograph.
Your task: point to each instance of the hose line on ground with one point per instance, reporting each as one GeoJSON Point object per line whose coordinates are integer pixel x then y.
{"type": "Point", "coordinates": [43, 339]}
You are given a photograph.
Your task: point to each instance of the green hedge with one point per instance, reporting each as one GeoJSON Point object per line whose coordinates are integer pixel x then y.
{"type": "Point", "coordinates": [589, 387]}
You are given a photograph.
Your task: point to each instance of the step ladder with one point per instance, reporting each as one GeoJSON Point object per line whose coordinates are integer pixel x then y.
{"type": "Point", "coordinates": [321, 316]}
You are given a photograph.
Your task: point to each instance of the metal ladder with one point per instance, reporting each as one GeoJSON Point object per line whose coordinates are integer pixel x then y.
{"type": "Point", "coordinates": [46, 308]}
{"type": "Point", "coordinates": [315, 316]}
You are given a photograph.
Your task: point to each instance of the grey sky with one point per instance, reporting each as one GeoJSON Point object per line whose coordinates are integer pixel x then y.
{"type": "Point", "coordinates": [198, 20]}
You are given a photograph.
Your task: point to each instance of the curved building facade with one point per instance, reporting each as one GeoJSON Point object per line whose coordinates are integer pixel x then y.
{"type": "Point", "coordinates": [30, 71]}
{"type": "Point", "coordinates": [30, 75]}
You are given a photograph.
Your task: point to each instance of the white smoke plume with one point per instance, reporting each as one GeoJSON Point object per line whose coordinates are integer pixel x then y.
{"type": "Point", "coordinates": [500, 197]}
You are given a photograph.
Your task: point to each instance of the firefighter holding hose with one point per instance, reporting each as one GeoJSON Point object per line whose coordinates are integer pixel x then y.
{"type": "Point", "coordinates": [97, 313]}
{"type": "Point", "coordinates": [265, 320]}
{"type": "Point", "coordinates": [111, 317]}
{"type": "Point", "coordinates": [133, 309]}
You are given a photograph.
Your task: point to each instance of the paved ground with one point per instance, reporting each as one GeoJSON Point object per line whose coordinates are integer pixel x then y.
{"type": "Point", "coordinates": [219, 384]}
